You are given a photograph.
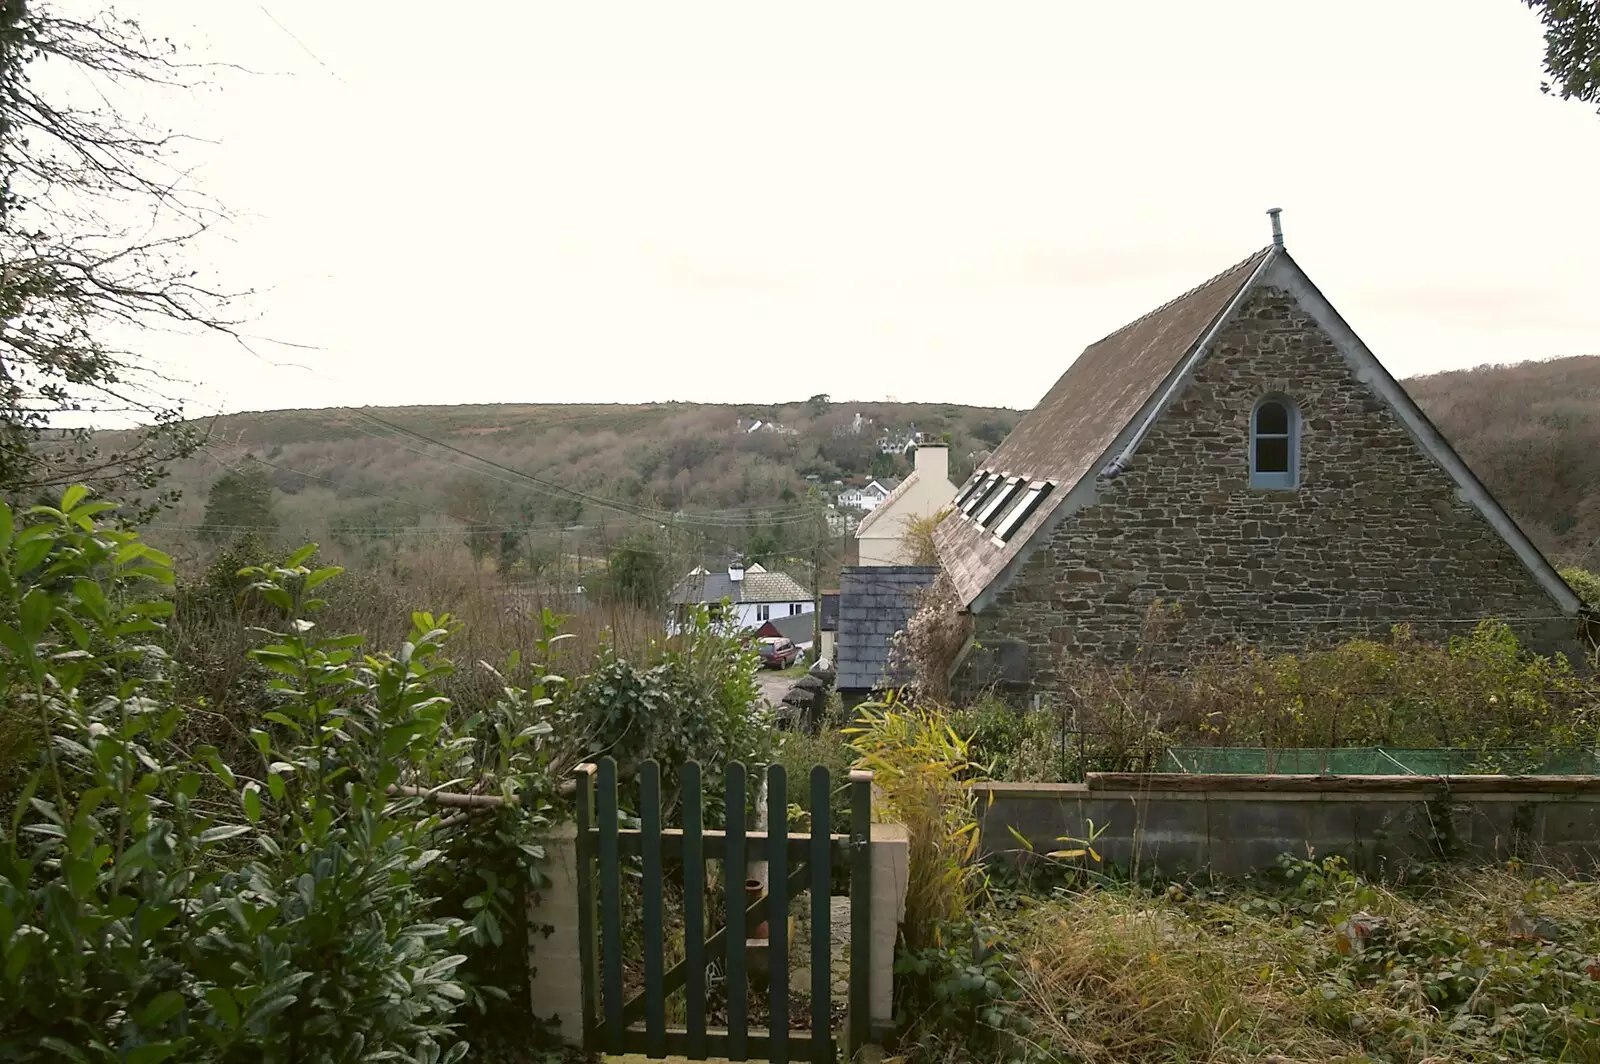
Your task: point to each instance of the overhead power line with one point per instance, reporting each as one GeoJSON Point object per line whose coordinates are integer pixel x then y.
{"type": "Point", "coordinates": [643, 513]}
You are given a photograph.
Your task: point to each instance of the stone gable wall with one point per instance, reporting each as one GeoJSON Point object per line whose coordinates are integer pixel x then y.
{"type": "Point", "coordinates": [1375, 534]}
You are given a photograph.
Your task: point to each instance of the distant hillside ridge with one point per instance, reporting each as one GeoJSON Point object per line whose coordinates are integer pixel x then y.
{"type": "Point", "coordinates": [753, 463]}
{"type": "Point", "coordinates": [1530, 430]}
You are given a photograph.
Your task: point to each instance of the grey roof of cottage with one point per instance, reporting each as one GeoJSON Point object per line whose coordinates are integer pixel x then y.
{"type": "Point", "coordinates": [875, 601]}
{"type": "Point", "coordinates": [1063, 439]}
{"type": "Point", "coordinates": [1092, 421]}
{"type": "Point", "coordinates": [799, 628]}
{"type": "Point", "coordinates": [755, 587]}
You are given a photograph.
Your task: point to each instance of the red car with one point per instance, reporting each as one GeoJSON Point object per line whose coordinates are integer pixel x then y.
{"type": "Point", "coordinates": [778, 653]}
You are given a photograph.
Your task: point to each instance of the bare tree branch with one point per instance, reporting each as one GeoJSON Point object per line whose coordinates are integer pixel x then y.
{"type": "Point", "coordinates": [96, 215]}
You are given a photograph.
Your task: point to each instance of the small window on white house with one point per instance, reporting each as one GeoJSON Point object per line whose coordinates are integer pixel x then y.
{"type": "Point", "coordinates": [1274, 445]}
{"type": "Point", "coordinates": [795, 609]}
{"type": "Point", "coordinates": [763, 612]}
{"type": "Point", "coordinates": [1001, 497]}
{"type": "Point", "coordinates": [976, 498]}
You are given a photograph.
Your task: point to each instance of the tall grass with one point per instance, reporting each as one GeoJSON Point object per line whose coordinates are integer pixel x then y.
{"type": "Point", "coordinates": [1111, 977]}
{"type": "Point", "coordinates": [1485, 965]}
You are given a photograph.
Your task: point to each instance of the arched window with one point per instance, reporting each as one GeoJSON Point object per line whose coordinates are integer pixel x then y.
{"type": "Point", "coordinates": [1274, 445]}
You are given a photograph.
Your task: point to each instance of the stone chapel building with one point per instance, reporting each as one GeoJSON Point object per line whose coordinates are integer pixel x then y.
{"type": "Point", "coordinates": [1241, 452]}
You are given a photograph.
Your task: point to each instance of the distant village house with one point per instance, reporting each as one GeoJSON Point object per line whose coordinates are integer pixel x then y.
{"type": "Point", "coordinates": [899, 442]}
{"type": "Point", "coordinates": [869, 495]}
{"type": "Point", "coordinates": [745, 597]}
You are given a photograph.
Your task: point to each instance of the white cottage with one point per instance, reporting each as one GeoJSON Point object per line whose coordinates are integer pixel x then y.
{"type": "Point", "coordinates": [753, 596]}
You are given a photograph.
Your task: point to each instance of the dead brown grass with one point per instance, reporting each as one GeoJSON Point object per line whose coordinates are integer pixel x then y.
{"type": "Point", "coordinates": [1117, 979]}
{"type": "Point", "coordinates": [1123, 976]}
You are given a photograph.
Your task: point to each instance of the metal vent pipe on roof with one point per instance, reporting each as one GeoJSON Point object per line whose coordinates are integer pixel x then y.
{"type": "Point", "coordinates": [1277, 225]}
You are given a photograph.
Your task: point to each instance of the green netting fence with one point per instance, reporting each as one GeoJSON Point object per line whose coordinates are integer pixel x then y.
{"type": "Point", "coordinates": [1379, 761]}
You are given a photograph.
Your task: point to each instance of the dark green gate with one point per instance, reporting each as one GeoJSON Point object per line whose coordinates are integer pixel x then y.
{"type": "Point", "coordinates": [796, 863]}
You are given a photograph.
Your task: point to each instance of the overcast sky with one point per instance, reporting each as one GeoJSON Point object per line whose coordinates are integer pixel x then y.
{"type": "Point", "coordinates": [588, 201]}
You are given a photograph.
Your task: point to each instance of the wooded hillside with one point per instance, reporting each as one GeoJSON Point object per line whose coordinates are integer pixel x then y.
{"type": "Point", "coordinates": [575, 473]}
{"type": "Point", "coordinates": [1530, 430]}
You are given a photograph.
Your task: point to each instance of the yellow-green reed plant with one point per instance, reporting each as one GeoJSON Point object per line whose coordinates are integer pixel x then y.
{"type": "Point", "coordinates": [920, 774]}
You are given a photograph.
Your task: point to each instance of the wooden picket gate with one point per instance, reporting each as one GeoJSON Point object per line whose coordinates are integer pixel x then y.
{"type": "Point", "coordinates": [795, 863]}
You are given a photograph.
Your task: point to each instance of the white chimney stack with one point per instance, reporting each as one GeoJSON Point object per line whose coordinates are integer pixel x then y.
{"type": "Point", "coordinates": [736, 570]}
{"type": "Point", "coordinates": [933, 460]}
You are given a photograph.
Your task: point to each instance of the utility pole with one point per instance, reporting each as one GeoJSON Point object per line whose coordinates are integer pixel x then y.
{"type": "Point", "coordinates": [815, 498]}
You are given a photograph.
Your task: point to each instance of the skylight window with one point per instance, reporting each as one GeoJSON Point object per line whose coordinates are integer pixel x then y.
{"type": "Point", "coordinates": [971, 486]}
{"type": "Point", "coordinates": [976, 498]}
{"type": "Point", "coordinates": [1001, 497]}
{"type": "Point", "coordinates": [1022, 511]}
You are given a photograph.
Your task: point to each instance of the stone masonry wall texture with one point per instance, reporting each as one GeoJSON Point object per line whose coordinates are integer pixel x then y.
{"type": "Point", "coordinates": [1374, 535]}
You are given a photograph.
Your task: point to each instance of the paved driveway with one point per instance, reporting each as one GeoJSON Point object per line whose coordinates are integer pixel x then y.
{"type": "Point", "coordinates": [774, 685]}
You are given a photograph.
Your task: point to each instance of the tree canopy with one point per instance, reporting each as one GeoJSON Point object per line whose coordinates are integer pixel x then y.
{"type": "Point", "coordinates": [240, 500]}
{"type": "Point", "coordinates": [1571, 47]}
{"type": "Point", "coordinates": [636, 573]}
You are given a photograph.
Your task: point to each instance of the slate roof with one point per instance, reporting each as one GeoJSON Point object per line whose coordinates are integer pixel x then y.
{"type": "Point", "coordinates": [1063, 439]}
{"type": "Point", "coordinates": [875, 601]}
{"type": "Point", "coordinates": [800, 628]}
{"type": "Point", "coordinates": [755, 587]}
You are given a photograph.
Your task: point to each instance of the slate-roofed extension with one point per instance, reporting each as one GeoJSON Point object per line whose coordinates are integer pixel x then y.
{"type": "Point", "coordinates": [798, 628]}
{"type": "Point", "coordinates": [875, 601]}
{"type": "Point", "coordinates": [755, 587]}
{"type": "Point", "coordinates": [1061, 440]}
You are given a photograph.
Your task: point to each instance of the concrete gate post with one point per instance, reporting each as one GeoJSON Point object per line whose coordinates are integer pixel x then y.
{"type": "Point", "coordinates": [555, 981]}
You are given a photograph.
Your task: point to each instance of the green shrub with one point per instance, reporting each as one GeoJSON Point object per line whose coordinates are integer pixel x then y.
{"type": "Point", "coordinates": [799, 751]}
{"type": "Point", "coordinates": [1011, 744]}
{"type": "Point", "coordinates": [694, 698]}
{"type": "Point", "coordinates": [1481, 691]}
{"type": "Point", "coordinates": [1584, 583]}
{"type": "Point", "coordinates": [106, 847]}
{"type": "Point", "coordinates": [158, 906]}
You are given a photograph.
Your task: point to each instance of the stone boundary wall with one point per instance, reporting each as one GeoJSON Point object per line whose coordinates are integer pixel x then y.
{"type": "Point", "coordinates": [1176, 824]}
